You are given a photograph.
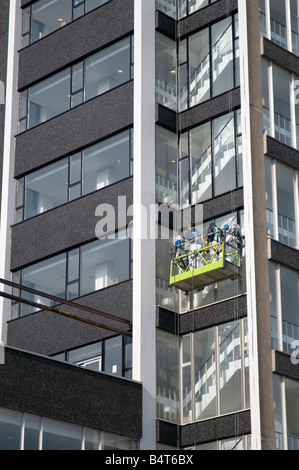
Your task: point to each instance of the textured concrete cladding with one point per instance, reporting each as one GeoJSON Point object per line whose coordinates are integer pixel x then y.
{"type": "Point", "coordinates": [210, 109]}
{"type": "Point", "coordinates": [49, 388]}
{"type": "Point", "coordinates": [209, 430]}
{"type": "Point", "coordinates": [49, 333]}
{"type": "Point", "coordinates": [283, 254]}
{"type": "Point", "coordinates": [80, 127]}
{"type": "Point", "coordinates": [205, 317]}
{"type": "Point", "coordinates": [218, 428]}
{"type": "Point", "coordinates": [65, 227]}
{"type": "Point", "coordinates": [280, 56]}
{"type": "Point", "coordinates": [73, 42]}
{"type": "Point", "coordinates": [285, 154]}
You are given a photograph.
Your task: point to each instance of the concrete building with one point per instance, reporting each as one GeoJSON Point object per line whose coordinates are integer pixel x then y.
{"type": "Point", "coordinates": [122, 121]}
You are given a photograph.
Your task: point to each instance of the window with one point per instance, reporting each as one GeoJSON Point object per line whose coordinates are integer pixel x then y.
{"type": "Point", "coordinates": [282, 25]}
{"type": "Point", "coordinates": [209, 63]}
{"type": "Point", "coordinates": [280, 104]}
{"type": "Point", "coordinates": [44, 17]}
{"type": "Point", "coordinates": [281, 197]}
{"type": "Point", "coordinates": [104, 263]}
{"type": "Point", "coordinates": [166, 166]}
{"type": "Point", "coordinates": [23, 431]}
{"type": "Point", "coordinates": [211, 156]}
{"type": "Point", "coordinates": [97, 74]}
{"type": "Point", "coordinates": [82, 173]}
{"type": "Point", "coordinates": [111, 355]}
{"type": "Point", "coordinates": [211, 373]}
{"type": "Point", "coordinates": [284, 307]}
{"type": "Point", "coordinates": [187, 7]}
{"type": "Point", "coordinates": [78, 272]}
{"type": "Point", "coordinates": [166, 73]}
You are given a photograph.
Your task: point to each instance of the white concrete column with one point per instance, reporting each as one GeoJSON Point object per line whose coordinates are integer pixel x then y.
{"type": "Point", "coordinates": [10, 129]}
{"type": "Point", "coordinates": [144, 278]}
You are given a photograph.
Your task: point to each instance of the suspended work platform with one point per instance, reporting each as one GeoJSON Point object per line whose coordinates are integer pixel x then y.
{"type": "Point", "coordinates": [211, 263]}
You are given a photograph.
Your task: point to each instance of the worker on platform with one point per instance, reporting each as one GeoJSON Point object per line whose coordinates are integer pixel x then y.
{"type": "Point", "coordinates": [193, 243]}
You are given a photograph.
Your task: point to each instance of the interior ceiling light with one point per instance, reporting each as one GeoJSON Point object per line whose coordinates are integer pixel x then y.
{"type": "Point", "coordinates": [120, 71]}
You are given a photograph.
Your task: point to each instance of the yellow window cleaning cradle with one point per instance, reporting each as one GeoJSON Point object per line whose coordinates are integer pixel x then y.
{"type": "Point", "coordinates": [211, 261]}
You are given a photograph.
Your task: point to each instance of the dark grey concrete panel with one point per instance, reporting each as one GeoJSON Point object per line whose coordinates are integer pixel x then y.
{"type": "Point", "coordinates": [283, 365]}
{"type": "Point", "coordinates": [283, 153]}
{"type": "Point", "coordinates": [205, 16]}
{"type": "Point", "coordinates": [80, 127]}
{"type": "Point", "coordinates": [205, 317]}
{"type": "Point", "coordinates": [166, 118]}
{"type": "Point", "coordinates": [165, 25]}
{"type": "Point", "coordinates": [168, 433]}
{"type": "Point", "coordinates": [220, 205]}
{"type": "Point", "coordinates": [220, 312]}
{"type": "Point", "coordinates": [279, 55]}
{"type": "Point", "coordinates": [210, 430]}
{"type": "Point", "coordinates": [210, 109]}
{"type": "Point", "coordinates": [65, 392]}
{"type": "Point", "coordinates": [283, 254]}
{"type": "Point", "coordinates": [65, 227]}
{"type": "Point", "coordinates": [75, 41]}
{"type": "Point", "coordinates": [167, 320]}
{"type": "Point", "coordinates": [49, 333]}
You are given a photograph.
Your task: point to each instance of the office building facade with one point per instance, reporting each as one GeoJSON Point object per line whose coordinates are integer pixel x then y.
{"type": "Point", "coordinates": [123, 121]}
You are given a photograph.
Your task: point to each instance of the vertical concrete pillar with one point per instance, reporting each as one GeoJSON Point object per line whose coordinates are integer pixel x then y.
{"type": "Point", "coordinates": [144, 279]}
{"type": "Point", "coordinates": [259, 332]}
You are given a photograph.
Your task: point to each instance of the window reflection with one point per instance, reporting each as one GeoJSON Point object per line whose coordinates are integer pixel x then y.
{"type": "Point", "coordinates": [44, 17]}
{"type": "Point", "coordinates": [95, 75]}
{"type": "Point", "coordinates": [102, 263]}
{"type": "Point", "coordinates": [92, 169]}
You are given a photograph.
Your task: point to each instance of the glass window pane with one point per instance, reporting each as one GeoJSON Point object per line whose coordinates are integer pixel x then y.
{"type": "Point", "coordinates": [166, 166]}
{"type": "Point", "coordinates": [78, 8]}
{"type": "Point", "coordinates": [48, 276]}
{"type": "Point", "coordinates": [113, 441]}
{"type": "Point", "coordinates": [104, 263]}
{"type": "Point", "coordinates": [205, 374]}
{"type": "Point", "coordinates": [107, 69]}
{"type": "Point", "coordinates": [106, 162]}
{"type": "Point", "coordinates": [282, 110]}
{"type": "Point", "coordinates": [46, 188]}
{"type": "Point", "coordinates": [224, 154]}
{"type": "Point", "coordinates": [195, 5]}
{"type": "Point", "coordinates": [113, 356]}
{"type": "Point", "coordinates": [184, 181]}
{"type": "Point", "coordinates": [49, 16]}
{"type": "Point", "coordinates": [222, 56]}
{"type": "Point", "coordinates": [85, 352]}
{"type": "Point", "coordinates": [199, 67]}
{"type": "Point", "coordinates": [292, 396]}
{"type": "Point", "coordinates": [230, 373]}
{"type": "Point", "coordinates": [31, 433]}
{"type": "Point", "coordinates": [201, 163]}
{"type": "Point", "coordinates": [278, 22]}
{"type": "Point", "coordinates": [269, 202]}
{"type": "Point", "coordinates": [60, 436]}
{"type": "Point", "coordinates": [295, 25]}
{"type": "Point", "coordinates": [49, 98]}
{"type": "Point", "coordinates": [77, 77]}
{"type": "Point", "coordinates": [166, 71]}
{"type": "Point", "coordinates": [285, 203]}
{"type": "Point", "coordinates": [91, 439]}
{"type": "Point", "coordinates": [92, 4]}
{"type": "Point", "coordinates": [10, 430]}
{"type": "Point", "coordinates": [289, 306]}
